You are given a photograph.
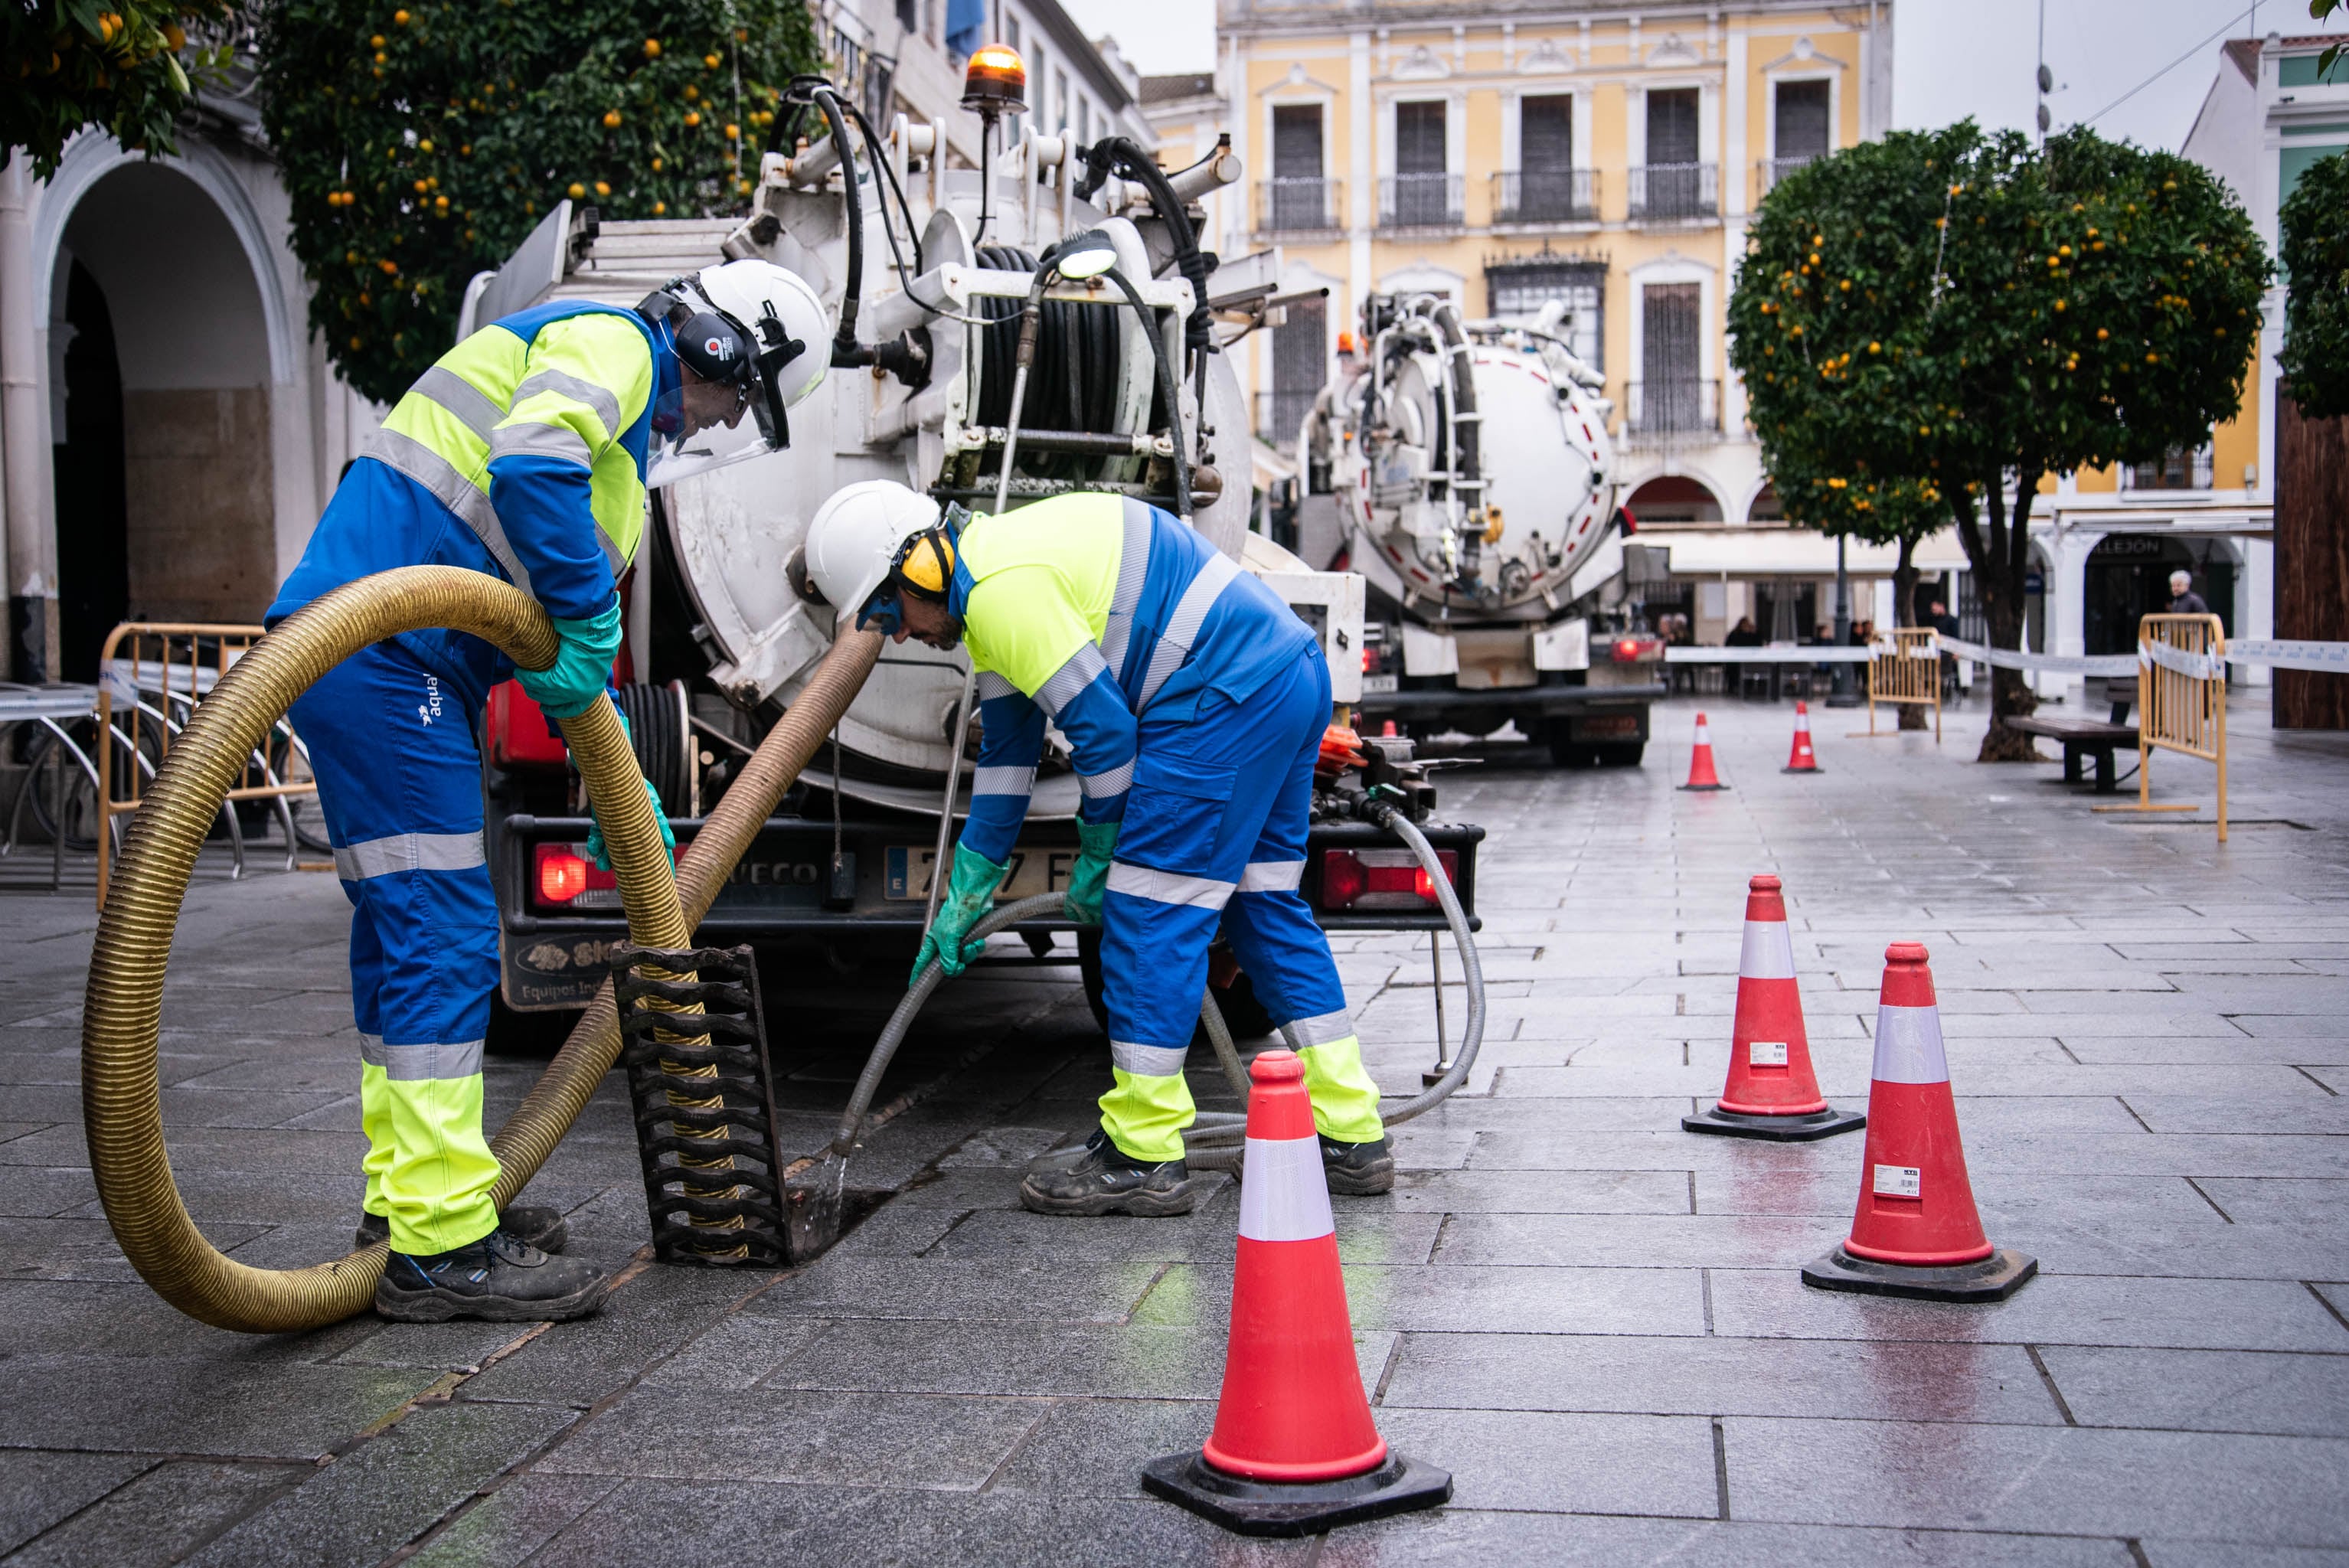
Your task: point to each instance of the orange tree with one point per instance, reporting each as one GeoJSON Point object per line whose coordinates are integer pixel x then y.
{"type": "Point", "coordinates": [2314, 222]}
{"type": "Point", "coordinates": [421, 142]}
{"type": "Point", "coordinates": [121, 63]}
{"type": "Point", "coordinates": [1960, 309]}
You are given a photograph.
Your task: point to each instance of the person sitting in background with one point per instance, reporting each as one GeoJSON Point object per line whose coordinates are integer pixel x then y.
{"type": "Point", "coordinates": [2183, 600]}
{"type": "Point", "coordinates": [1743, 634]}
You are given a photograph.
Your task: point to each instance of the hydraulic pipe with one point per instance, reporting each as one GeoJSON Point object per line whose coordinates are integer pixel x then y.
{"type": "Point", "coordinates": [121, 1098]}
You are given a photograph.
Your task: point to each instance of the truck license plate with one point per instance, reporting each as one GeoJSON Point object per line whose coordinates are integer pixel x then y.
{"type": "Point", "coordinates": [1033, 871]}
{"type": "Point", "coordinates": [1380, 683]}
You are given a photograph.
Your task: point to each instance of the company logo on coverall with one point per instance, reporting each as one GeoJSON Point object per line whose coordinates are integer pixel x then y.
{"type": "Point", "coordinates": [429, 709]}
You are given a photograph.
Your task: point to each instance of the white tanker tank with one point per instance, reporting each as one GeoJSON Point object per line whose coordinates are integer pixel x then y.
{"type": "Point", "coordinates": [1473, 475]}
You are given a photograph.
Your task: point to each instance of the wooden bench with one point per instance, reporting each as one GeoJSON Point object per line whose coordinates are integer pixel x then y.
{"type": "Point", "coordinates": [2082, 737]}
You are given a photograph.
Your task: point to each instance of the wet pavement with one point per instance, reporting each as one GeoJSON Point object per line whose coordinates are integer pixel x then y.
{"type": "Point", "coordinates": [1591, 1317]}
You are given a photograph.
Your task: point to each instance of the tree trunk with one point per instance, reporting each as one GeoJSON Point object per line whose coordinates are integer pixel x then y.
{"type": "Point", "coordinates": [1904, 614]}
{"type": "Point", "coordinates": [1998, 558]}
{"type": "Point", "coordinates": [2312, 562]}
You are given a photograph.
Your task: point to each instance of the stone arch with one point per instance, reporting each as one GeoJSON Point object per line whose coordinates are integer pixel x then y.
{"type": "Point", "coordinates": [1673, 497]}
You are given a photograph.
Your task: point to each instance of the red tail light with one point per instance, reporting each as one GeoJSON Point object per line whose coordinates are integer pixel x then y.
{"type": "Point", "coordinates": [566, 876]}
{"type": "Point", "coordinates": [1381, 879]}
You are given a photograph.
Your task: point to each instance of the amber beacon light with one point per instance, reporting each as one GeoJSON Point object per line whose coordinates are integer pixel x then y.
{"type": "Point", "coordinates": [996, 82]}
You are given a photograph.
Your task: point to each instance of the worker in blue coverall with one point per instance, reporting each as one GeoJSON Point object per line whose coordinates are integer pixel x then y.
{"type": "Point", "coordinates": [1194, 702]}
{"type": "Point", "coordinates": [523, 453]}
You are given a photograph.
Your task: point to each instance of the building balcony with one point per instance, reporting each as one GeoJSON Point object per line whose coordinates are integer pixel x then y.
{"type": "Point", "coordinates": [1773, 170]}
{"type": "Point", "coordinates": [1421, 201]}
{"type": "Point", "coordinates": [1675, 192]}
{"type": "Point", "coordinates": [1674, 411]}
{"type": "Point", "coordinates": [1534, 196]}
{"type": "Point", "coordinates": [1280, 414]}
{"type": "Point", "coordinates": [2175, 470]}
{"type": "Point", "coordinates": [1300, 205]}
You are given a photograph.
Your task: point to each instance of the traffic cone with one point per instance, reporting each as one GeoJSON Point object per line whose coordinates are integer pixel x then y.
{"type": "Point", "coordinates": [1804, 759]}
{"type": "Point", "coordinates": [1772, 1091]}
{"type": "Point", "coordinates": [1917, 1232]}
{"type": "Point", "coordinates": [1293, 1450]}
{"type": "Point", "coordinates": [1700, 773]}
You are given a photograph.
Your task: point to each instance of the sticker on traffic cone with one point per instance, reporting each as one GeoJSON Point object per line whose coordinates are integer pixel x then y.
{"type": "Point", "coordinates": [1917, 1232]}
{"type": "Point", "coordinates": [1700, 773]}
{"type": "Point", "coordinates": [1804, 759]}
{"type": "Point", "coordinates": [1772, 1091]}
{"type": "Point", "coordinates": [1293, 1450]}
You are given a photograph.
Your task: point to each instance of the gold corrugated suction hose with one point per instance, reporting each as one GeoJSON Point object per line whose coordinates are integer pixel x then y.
{"type": "Point", "coordinates": [121, 1096]}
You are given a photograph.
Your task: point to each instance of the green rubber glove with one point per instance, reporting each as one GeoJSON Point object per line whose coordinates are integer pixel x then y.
{"type": "Point", "coordinates": [583, 665]}
{"type": "Point", "coordinates": [596, 850]}
{"type": "Point", "coordinates": [970, 893]}
{"type": "Point", "coordinates": [1092, 874]}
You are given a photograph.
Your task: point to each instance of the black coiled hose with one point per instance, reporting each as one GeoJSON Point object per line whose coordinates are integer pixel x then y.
{"type": "Point", "coordinates": [658, 734]}
{"type": "Point", "coordinates": [1073, 384]}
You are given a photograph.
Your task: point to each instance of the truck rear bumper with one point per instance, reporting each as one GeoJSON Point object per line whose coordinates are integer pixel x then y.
{"type": "Point", "coordinates": [1544, 700]}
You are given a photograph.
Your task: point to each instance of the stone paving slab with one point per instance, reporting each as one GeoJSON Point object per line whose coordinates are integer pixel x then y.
{"type": "Point", "coordinates": [1589, 1316]}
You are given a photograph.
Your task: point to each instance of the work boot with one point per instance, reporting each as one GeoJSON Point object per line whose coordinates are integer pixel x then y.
{"type": "Point", "coordinates": [535, 1223]}
{"type": "Point", "coordinates": [1359, 1170]}
{"type": "Point", "coordinates": [1099, 1179]}
{"type": "Point", "coordinates": [497, 1279]}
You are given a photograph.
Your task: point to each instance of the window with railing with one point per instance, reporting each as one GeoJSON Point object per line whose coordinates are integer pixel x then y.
{"type": "Point", "coordinates": [1660, 410]}
{"type": "Point", "coordinates": [1523, 285]}
{"type": "Point", "coordinates": [2176, 470]}
{"type": "Point", "coordinates": [1674, 193]}
{"type": "Point", "coordinates": [1420, 201]}
{"type": "Point", "coordinates": [1545, 196]}
{"type": "Point", "coordinates": [1773, 169]}
{"type": "Point", "coordinates": [1292, 204]}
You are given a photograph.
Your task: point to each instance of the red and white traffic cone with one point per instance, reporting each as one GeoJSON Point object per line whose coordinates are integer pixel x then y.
{"type": "Point", "coordinates": [1293, 1450]}
{"type": "Point", "coordinates": [1804, 759]}
{"type": "Point", "coordinates": [1700, 773]}
{"type": "Point", "coordinates": [1917, 1232]}
{"type": "Point", "coordinates": [1772, 1091]}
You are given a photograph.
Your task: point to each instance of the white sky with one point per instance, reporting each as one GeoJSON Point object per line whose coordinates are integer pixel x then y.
{"type": "Point", "coordinates": [1950, 58]}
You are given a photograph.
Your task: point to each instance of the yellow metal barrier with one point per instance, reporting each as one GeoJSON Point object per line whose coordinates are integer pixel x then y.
{"type": "Point", "coordinates": [2181, 685]}
{"type": "Point", "coordinates": [1907, 668]}
{"type": "Point", "coordinates": [151, 676]}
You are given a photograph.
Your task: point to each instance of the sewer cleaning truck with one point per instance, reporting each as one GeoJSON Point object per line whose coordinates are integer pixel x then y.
{"type": "Point", "coordinates": [1475, 486]}
{"type": "Point", "coordinates": [925, 269]}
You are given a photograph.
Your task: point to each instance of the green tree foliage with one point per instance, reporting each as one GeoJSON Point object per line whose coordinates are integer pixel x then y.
{"type": "Point", "coordinates": [2315, 221]}
{"type": "Point", "coordinates": [1963, 310]}
{"type": "Point", "coordinates": [421, 143]}
{"type": "Point", "coordinates": [121, 64]}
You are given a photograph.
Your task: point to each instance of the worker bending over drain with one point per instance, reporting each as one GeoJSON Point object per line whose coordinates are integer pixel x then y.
{"type": "Point", "coordinates": [1194, 702]}
{"type": "Point", "coordinates": [525, 453]}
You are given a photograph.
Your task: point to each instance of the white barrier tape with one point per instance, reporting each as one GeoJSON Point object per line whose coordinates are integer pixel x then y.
{"type": "Point", "coordinates": [2179, 661]}
{"type": "Point", "coordinates": [2325, 658]}
{"type": "Point", "coordinates": [2062, 663]}
{"type": "Point", "coordinates": [1813, 656]}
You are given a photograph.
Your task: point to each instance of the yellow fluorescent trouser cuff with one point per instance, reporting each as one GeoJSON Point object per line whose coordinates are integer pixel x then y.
{"type": "Point", "coordinates": [436, 1169]}
{"type": "Point", "coordinates": [1345, 1100]}
{"type": "Point", "coordinates": [1145, 1116]}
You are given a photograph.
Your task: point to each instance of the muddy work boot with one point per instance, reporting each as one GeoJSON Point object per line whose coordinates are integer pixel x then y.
{"type": "Point", "coordinates": [541, 1227]}
{"type": "Point", "coordinates": [1097, 1179]}
{"type": "Point", "coordinates": [1357, 1170]}
{"type": "Point", "coordinates": [496, 1279]}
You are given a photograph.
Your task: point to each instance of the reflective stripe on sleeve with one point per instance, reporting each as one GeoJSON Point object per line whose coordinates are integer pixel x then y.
{"type": "Point", "coordinates": [1909, 1045]}
{"type": "Point", "coordinates": [1768, 953]}
{"type": "Point", "coordinates": [1132, 570]}
{"type": "Point", "coordinates": [1321, 1029]}
{"type": "Point", "coordinates": [991, 685]}
{"type": "Point", "coordinates": [1168, 887]}
{"type": "Point", "coordinates": [422, 1062]}
{"type": "Point", "coordinates": [1003, 780]}
{"type": "Point", "coordinates": [409, 852]}
{"type": "Point", "coordinates": [1104, 786]}
{"type": "Point", "coordinates": [536, 441]}
{"type": "Point", "coordinates": [1273, 876]}
{"type": "Point", "coordinates": [599, 398]}
{"type": "Point", "coordinates": [1284, 1195]}
{"type": "Point", "coordinates": [453, 490]}
{"type": "Point", "coordinates": [1070, 679]}
{"type": "Point", "coordinates": [1148, 1061]}
{"type": "Point", "coordinates": [1183, 626]}
{"type": "Point", "coordinates": [476, 408]}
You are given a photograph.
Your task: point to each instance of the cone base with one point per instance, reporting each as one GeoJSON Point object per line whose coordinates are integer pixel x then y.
{"type": "Point", "coordinates": [1812, 769]}
{"type": "Point", "coordinates": [1995, 1278]}
{"type": "Point", "coordinates": [1289, 1509]}
{"type": "Point", "coordinates": [1703, 787]}
{"type": "Point", "coordinates": [1801, 1128]}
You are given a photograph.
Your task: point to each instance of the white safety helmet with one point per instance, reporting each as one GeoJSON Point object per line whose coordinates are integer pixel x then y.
{"type": "Point", "coordinates": [750, 326]}
{"type": "Point", "coordinates": [855, 539]}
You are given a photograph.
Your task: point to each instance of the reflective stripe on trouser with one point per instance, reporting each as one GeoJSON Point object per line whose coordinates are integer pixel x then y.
{"type": "Point", "coordinates": [399, 785]}
{"type": "Point", "coordinates": [1216, 815]}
